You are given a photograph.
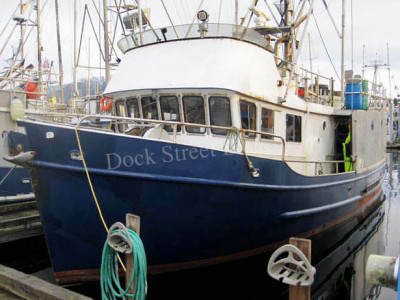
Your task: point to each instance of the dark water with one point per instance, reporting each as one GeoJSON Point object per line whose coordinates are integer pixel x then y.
{"type": "Point", "coordinates": [340, 271]}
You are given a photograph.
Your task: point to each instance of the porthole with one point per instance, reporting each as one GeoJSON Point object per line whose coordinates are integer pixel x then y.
{"type": "Point", "coordinates": [372, 125]}
{"type": "Point", "coordinates": [324, 125]}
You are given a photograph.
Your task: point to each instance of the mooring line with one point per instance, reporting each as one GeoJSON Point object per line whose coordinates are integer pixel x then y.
{"type": "Point", "coordinates": [92, 189]}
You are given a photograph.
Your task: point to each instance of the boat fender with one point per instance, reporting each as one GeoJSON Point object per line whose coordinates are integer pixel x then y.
{"type": "Point", "coordinates": [382, 270]}
{"type": "Point", "coordinates": [289, 265]}
{"type": "Point", "coordinates": [17, 110]}
{"type": "Point", "coordinates": [105, 103]}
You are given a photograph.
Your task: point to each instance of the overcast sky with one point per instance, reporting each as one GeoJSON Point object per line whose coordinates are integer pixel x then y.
{"type": "Point", "coordinates": [375, 23]}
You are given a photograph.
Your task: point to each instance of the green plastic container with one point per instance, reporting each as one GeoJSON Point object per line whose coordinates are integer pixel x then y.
{"type": "Point", "coordinates": [365, 103]}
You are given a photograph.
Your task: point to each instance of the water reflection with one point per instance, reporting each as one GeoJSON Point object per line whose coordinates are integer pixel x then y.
{"type": "Point", "coordinates": [392, 220]}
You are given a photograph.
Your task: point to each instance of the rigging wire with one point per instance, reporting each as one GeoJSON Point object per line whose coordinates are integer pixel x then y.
{"type": "Point", "coordinates": [177, 12]}
{"type": "Point", "coordinates": [271, 12]}
{"type": "Point", "coordinates": [186, 10]}
{"type": "Point", "coordinates": [326, 49]}
{"type": "Point", "coordinates": [169, 17]}
{"type": "Point", "coordinates": [8, 22]}
{"type": "Point", "coordinates": [219, 14]}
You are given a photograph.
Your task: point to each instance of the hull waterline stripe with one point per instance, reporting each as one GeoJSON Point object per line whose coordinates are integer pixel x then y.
{"type": "Point", "coordinates": [180, 179]}
{"type": "Point", "coordinates": [320, 209]}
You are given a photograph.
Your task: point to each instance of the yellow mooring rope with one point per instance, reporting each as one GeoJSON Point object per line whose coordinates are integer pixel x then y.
{"type": "Point", "coordinates": [92, 189]}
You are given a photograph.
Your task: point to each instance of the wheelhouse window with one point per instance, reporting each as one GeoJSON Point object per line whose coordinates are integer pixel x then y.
{"type": "Point", "coordinates": [293, 128]}
{"type": "Point", "coordinates": [193, 107]}
{"type": "Point", "coordinates": [120, 110]}
{"type": "Point", "coordinates": [170, 111]}
{"type": "Point", "coordinates": [149, 108]}
{"type": "Point", "coordinates": [220, 114]}
{"type": "Point", "coordinates": [267, 122]}
{"type": "Point", "coordinates": [248, 117]}
{"type": "Point", "coordinates": [132, 106]}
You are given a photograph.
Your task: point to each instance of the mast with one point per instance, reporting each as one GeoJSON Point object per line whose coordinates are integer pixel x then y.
{"type": "Point", "coordinates": [288, 22]}
{"type": "Point", "coordinates": [75, 87]}
{"type": "Point", "coordinates": [39, 44]}
{"type": "Point", "coordinates": [22, 35]}
{"type": "Point", "coordinates": [59, 53]}
{"type": "Point", "coordinates": [88, 80]}
{"type": "Point", "coordinates": [343, 47]}
{"type": "Point", "coordinates": [309, 49]}
{"type": "Point", "coordinates": [106, 44]}
{"type": "Point", "coordinates": [140, 21]}
{"type": "Point", "coordinates": [363, 65]}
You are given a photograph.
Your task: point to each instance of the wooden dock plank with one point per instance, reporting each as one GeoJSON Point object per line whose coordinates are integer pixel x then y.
{"type": "Point", "coordinates": [19, 218]}
{"type": "Point", "coordinates": [18, 206]}
{"type": "Point", "coordinates": [17, 233]}
{"type": "Point", "coordinates": [30, 287]}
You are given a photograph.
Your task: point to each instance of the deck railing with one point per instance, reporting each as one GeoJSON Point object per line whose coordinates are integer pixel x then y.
{"type": "Point", "coordinates": [316, 88]}
{"type": "Point", "coordinates": [174, 125]}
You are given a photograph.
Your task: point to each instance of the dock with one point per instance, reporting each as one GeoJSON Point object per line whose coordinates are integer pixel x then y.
{"type": "Point", "coordinates": [19, 221]}
{"type": "Point", "coordinates": [17, 285]}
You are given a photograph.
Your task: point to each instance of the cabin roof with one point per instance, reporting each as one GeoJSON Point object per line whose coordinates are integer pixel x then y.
{"type": "Point", "coordinates": [219, 63]}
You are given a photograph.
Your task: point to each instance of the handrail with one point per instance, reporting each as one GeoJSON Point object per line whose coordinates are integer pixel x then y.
{"type": "Point", "coordinates": [306, 76]}
{"type": "Point", "coordinates": [175, 125]}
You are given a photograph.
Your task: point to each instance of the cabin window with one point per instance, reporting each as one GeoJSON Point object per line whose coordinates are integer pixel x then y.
{"type": "Point", "coordinates": [170, 111]}
{"type": "Point", "coordinates": [248, 117]}
{"type": "Point", "coordinates": [267, 122]}
{"type": "Point", "coordinates": [132, 106]}
{"type": "Point", "coordinates": [220, 114]}
{"type": "Point", "coordinates": [121, 112]}
{"type": "Point", "coordinates": [149, 108]}
{"type": "Point", "coordinates": [194, 113]}
{"type": "Point", "coordinates": [293, 128]}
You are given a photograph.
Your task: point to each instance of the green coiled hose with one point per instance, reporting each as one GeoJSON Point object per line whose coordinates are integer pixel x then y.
{"type": "Point", "coordinates": [110, 283]}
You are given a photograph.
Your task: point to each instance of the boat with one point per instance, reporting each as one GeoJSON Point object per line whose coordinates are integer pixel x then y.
{"type": "Point", "coordinates": [223, 146]}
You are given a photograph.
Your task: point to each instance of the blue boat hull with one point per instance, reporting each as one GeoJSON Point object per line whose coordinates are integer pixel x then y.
{"type": "Point", "coordinates": [197, 206]}
{"type": "Point", "coordinates": [16, 183]}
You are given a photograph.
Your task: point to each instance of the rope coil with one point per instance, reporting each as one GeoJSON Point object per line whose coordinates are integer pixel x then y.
{"type": "Point", "coordinates": [235, 135]}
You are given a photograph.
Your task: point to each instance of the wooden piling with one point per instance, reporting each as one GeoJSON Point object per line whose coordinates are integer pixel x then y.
{"type": "Point", "coordinates": [301, 292]}
{"type": "Point", "coordinates": [132, 222]}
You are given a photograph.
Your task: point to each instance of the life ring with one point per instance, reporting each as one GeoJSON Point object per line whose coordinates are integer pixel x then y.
{"type": "Point", "coordinates": [105, 103]}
